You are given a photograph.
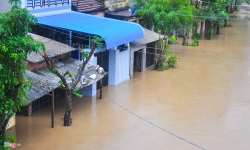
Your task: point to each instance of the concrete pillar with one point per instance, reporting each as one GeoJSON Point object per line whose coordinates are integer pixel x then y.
{"type": "Point", "coordinates": [91, 89]}
{"type": "Point", "coordinates": [131, 65]}
{"type": "Point", "coordinates": [190, 33]}
{"type": "Point", "coordinates": [70, 38]}
{"type": "Point", "coordinates": [199, 27]}
{"type": "Point", "coordinates": [118, 66]}
{"type": "Point", "coordinates": [93, 107]}
{"type": "Point", "coordinates": [203, 29]}
{"type": "Point", "coordinates": [112, 77]}
{"type": "Point", "coordinates": [24, 2]}
{"type": "Point", "coordinates": [143, 61]}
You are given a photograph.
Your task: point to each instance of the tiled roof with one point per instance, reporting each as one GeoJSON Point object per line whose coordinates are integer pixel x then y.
{"type": "Point", "coordinates": [87, 5]}
{"type": "Point", "coordinates": [53, 48]}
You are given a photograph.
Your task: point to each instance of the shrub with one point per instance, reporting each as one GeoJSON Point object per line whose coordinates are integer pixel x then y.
{"type": "Point", "coordinates": [171, 60]}
{"type": "Point", "coordinates": [172, 39]}
{"type": "Point", "coordinates": [195, 43]}
{"type": "Point", "coordinates": [196, 36]}
{"type": "Point", "coordinates": [186, 43]}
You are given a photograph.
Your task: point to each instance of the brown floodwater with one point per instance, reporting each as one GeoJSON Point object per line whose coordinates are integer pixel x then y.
{"type": "Point", "coordinates": [202, 104]}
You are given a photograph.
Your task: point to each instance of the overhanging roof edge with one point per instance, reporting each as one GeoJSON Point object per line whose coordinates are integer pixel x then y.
{"type": "Point", "coordinates": [114, 32]}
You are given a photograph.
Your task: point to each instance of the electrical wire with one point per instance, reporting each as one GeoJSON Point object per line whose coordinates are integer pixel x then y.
{"type": "Point", "coordinates": [147, 121]}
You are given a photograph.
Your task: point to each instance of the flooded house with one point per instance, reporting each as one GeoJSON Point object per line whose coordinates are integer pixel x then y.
{"type": "Point", "coordinates": [142, 51]}
{"type": "Point", "coordinates": [44, 82]}
{"type": "Point", "coordinates": [77, 29]}
{"type": "Point", "coordinates": [64, 31]}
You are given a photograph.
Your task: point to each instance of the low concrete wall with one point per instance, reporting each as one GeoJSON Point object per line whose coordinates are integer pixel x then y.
{"type": "Point", "coordinates": [12, 122]}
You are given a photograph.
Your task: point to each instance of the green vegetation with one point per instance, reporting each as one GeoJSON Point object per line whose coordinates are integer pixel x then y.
{"type": "Point", "coordinates": [196, 36]}
{"type": "Point", "coordinates": [164, 58]}
{"type": "Point", "coordinates": [215, 12]}
{"type": "Point", "coordinates": [15, 44]}
{"type": "Point", "coordinates": [169, 18]}
{"type": "Point", "coordinates": [161, 52]}
{"type": "Point", "coordinates": [195, 43]}
{"type": "Point", "coordinates": [172, 39]}
{"type": "Point", "coordinates": [171, 60]}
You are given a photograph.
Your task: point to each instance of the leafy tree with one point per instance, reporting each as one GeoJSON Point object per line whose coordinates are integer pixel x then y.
{"type": "Point", "coordinates": [215, 12]}
{"type": "Point", "coordinates": [167, 17]}
{"type": "Point", "coordinates": [247, 1]}
{"type": "Point", "coordinates": [71, 88]}
{"type": "Point", "coordinates": [15, 44]}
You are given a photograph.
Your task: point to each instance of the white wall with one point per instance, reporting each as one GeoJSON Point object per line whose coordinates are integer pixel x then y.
{"type": "Point", "coordinates": [24, 2]}
{"type": "Point", "coordinates": [118, 66]}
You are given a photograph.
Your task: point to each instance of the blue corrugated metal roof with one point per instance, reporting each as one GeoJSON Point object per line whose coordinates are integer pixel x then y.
{"type": "Point", "coordinates": [115, 32]}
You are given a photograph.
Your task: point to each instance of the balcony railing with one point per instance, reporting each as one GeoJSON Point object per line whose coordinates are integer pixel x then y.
{"type": "Point", "coordinates": [45, 3]}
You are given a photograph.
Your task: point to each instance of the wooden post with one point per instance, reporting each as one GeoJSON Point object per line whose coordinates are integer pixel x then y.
{"type": "Point", "coordinates": [52, 110]}
{"type": "Point", "coordinates": [101, 89]}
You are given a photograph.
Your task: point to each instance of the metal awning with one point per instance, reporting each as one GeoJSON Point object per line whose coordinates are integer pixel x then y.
{"type": "Point", "coordinates": [53, 48]}
{"type": "Point", "coordinates": [150, 36]}
{"type": "Point", "coordinates": [44, 81]}
{"type": "Point", "coordinates": [114, 32]}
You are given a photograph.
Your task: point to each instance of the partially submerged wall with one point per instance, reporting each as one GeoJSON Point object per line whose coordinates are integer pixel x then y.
{"type": "Point", "coordinates": [33, 66]}
{"type": "Point", "coordinates": [12, 122]}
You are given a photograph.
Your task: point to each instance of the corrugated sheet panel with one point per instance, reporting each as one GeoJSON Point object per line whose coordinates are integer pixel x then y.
{"type": "Point", "coordinates": [114, 32]}
{"type": "Point", "coordinates": [41, 86]}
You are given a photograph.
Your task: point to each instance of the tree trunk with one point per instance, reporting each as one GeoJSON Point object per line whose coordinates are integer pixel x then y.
{"type": "Point", "coordinates": [50, 64]}
{"type": "Point", "coordinates": [233, 6]}
{"type": "Point", "coordinates": [225, 23]}
{"type": "Point", "coordinates": [184, 36]}
{"type": "Point", "coordinates": [4, 123]}
{"type": "Point", "coordinates": [218, 28]}
{"type": "Point", "coordinates": [208, 29]}
{"type": "Point", "coordinates": [67, 119]}
{"type": "Point", "coordinates": [160, 55]}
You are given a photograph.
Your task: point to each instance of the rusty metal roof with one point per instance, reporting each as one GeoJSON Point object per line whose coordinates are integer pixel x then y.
{"type": "Point", "coordinates": [40, 85]}
{"type": "Point", "coordinates": [53, 48]}
{"type": "Point", "coordinates": [87, 5]}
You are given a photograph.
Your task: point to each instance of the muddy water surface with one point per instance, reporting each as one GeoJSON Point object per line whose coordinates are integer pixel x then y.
{"type": "Point", "coordinates": [202, 104]}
